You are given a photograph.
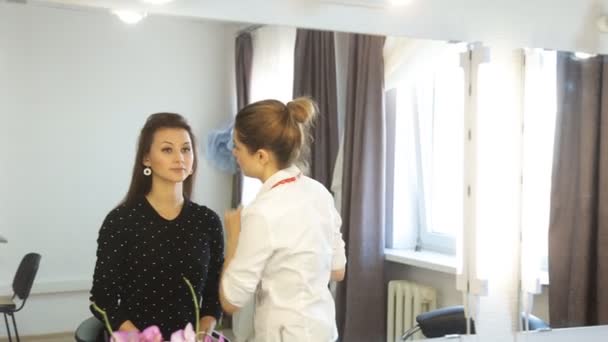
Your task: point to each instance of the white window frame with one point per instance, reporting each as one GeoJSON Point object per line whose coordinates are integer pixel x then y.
{"type": "Point", "coordinates": [420, 236]}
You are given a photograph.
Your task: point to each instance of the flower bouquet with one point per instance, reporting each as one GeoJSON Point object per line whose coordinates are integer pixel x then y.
{"type": "Point", "coordinates": [153, 333]}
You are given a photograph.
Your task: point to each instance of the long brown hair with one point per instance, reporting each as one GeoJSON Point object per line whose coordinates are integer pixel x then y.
{"type": "Point", "coordinates": [280, 128]}
{"type": "Point", "coordinates": [141, 184]}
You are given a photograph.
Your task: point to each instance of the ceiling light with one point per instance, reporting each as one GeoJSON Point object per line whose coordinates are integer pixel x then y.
{"type": "Point", "coordinates": [130, 17]}
{"type": "Point", "coordinates": [157, 2]}
{"type": "Point", "coordinates": [583, 55]}
{"type": "Point", "coordinates": [398, 3]}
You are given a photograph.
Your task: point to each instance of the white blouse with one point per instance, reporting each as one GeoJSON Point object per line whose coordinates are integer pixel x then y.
{"type": "Point", "coordinates": [290, 242]}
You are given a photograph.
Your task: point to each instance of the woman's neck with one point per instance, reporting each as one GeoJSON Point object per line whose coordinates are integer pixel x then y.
{"type": "Point", "coordinates": [270, 167]}
{"type": "Point", "coordinates": [166, 194]}
{"type": "Point", "coordinates": [268, 172]}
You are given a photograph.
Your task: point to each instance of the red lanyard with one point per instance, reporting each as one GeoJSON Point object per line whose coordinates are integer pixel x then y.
{"type": "Point", "coordinates": [285, 181]}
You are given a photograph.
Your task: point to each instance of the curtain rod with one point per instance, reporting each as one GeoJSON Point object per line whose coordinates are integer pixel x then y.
{"type": "Point", "coordinates": [249, 29]}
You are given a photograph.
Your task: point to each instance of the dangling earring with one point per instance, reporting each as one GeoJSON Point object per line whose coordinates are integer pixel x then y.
{"type": "Point", "coordinates": [147, 171]}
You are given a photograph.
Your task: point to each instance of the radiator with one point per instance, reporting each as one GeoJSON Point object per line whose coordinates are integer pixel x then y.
{"type": "Point", "coordinates": [406, 300]}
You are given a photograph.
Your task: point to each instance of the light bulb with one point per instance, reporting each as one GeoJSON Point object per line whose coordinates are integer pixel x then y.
{"type": "Point", "coordinates": [399, 3]}
{"type": "Point", "coordinates": [130, 17]}
{"type": "Point", "coordinates": [157, 2]}
{"type": "Point", "coordinates": [583, 55]}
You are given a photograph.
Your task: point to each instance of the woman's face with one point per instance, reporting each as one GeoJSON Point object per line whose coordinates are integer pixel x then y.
{"type": "Point", "coordinates": [171, 156]}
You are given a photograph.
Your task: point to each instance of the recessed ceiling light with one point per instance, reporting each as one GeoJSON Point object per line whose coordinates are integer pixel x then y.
{"type": "Point", "coordinates": [583, 55]}
{"type": "Point", "coordinates": [398, 3]}
{"type": "Point", "coordinates": [157, 2]}
{"type": "Point", "coordinates": [130, 17]}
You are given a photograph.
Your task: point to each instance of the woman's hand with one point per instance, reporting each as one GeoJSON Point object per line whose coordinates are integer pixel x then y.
{"type": "Point", "coordinates": [232, 224]}
{"type": "Point", "coordinates": [207, 324]}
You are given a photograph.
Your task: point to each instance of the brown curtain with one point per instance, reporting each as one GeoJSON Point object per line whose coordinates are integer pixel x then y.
{"type": "Point", "coordinates": [315, 76]}
{"type": "Point", "coordinates": [243, 60]}
{"type": "Point", "coordinates": [361, 298]}
{"type": "Point", "coordinates": [578, 231]}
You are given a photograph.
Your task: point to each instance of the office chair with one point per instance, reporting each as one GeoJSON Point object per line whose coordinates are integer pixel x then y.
{"type": "Point", "coordinates": [90, 330]}
{"type": "Point", "coordinates": [22, 285]}
{"type": "Point", "coordinates": [451, 321]}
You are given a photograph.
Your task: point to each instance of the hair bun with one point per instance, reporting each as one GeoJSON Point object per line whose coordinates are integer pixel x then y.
{"type": "Point", "coordinates": [302, 109]}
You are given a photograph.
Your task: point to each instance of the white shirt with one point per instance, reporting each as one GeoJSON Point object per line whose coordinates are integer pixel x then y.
{"type": "Point", "coordinates": [290, 242]}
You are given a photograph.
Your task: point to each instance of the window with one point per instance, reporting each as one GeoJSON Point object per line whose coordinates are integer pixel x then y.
{"type": "Point", "coordinates": [426, 97]}
{"type": "Point", "coordinates": [271, 77]}
{"type": "Point", "coordinates": [428, 148]}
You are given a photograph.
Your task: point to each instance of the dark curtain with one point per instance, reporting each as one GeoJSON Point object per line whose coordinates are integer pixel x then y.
{"type": "Point", "coordinates": [361, 297]}
{"type": "Point", "coordinates": [315, 76]}
{"type": "Point", "coordinates": [243, 61]}
{"type": "Point", "coordinates": [578, 231]}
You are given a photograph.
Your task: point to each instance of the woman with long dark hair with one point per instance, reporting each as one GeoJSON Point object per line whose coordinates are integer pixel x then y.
{"type": "Point", "coordinates": [157, 236]}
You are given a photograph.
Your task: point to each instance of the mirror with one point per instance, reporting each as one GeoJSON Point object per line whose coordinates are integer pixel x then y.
{"type": "Point", "coordinates": [78, 90]}
{"type": "Point", "coordinates": [562, 221]}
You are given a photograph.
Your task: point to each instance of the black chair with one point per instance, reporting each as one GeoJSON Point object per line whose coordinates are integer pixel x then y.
{"type": "Point", "coordinates": [451, 321]}
{"type": "Point", "coordinates": [22, 285]}
{"type": "Point", "coordinates": [90, 330]}
{"type": "Point", "coordinates": [534, 323]}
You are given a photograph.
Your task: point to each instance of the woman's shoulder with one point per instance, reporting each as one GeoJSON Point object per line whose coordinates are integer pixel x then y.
{"type": "Point", "coordinates": [317, 188]}
{"type": "Point", "coordinates": [124, 208]}
{"type": "Point", "coordinates": [123, 211]}
{"type": "Point", "coordinates": [202, 211]}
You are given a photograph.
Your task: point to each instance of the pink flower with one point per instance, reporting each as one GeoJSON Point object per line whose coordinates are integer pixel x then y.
{"type": "Point", "coordinates": [151, 334]}
{"type": "Point", "coordinates": [184, 335]}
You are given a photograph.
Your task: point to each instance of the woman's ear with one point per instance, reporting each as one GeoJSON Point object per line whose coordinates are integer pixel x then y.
{"type": "Point", "coordinates": [262, 156]}
{"type": "Point", "coordinates": [146, 161]}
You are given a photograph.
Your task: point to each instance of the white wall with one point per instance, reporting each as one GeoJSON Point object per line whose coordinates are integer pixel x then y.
{"type": "Point", "coordinates": [75, 88]}
{"type": "Point", "coordinates": [444, 283]}
{"type": "Point", "coordinates": [559, 24]}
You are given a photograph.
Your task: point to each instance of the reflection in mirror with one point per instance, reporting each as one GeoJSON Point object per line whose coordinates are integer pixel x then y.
{"type": "Point", "coordinates": [77, 86]}
{"type": "Point", "coordinates": [426, 83]}
{"type": "Point", "coordinates": [79, 70]}
{"type": "Point", "coordinates": [564, 237]}
{"type": "Point", "coordinates": [271, 77]}
{"type": "Point", "coordinates": [425, 112]}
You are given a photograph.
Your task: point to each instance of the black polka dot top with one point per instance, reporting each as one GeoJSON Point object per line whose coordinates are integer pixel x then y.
{"type": "Point", "coordinates": [142, 257]}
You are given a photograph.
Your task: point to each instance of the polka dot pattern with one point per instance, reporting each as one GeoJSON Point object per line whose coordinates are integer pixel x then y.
{"type": "Point", "coordinates": [142, 257]}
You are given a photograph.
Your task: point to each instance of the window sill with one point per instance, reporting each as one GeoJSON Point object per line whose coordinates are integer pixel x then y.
{"type": "Point", "coordinates": [424, 259]}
